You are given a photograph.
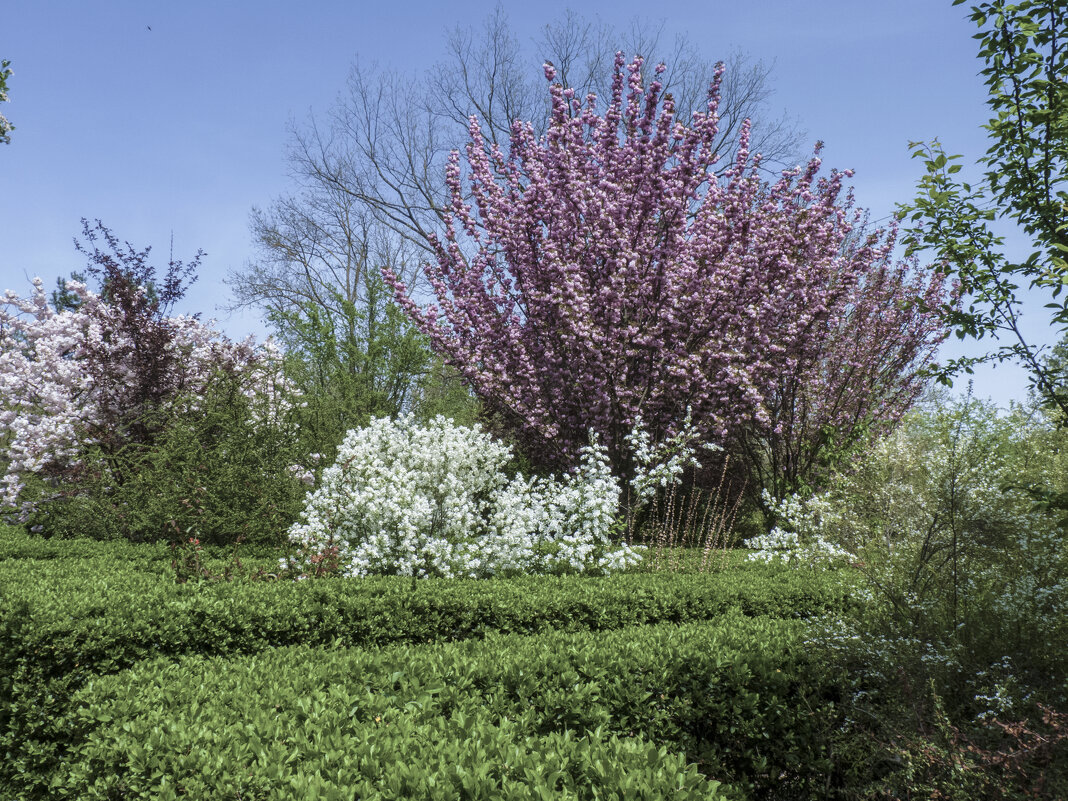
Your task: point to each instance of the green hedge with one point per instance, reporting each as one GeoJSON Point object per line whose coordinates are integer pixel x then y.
{"type": "Point", "coordinates": [58, 630]}
{"type": "Point", "coordinates": [555, 715]}
{"type": "Point", "coordinates": [17, 545]}
{"type": "Point", "coordinates": [64, 621]}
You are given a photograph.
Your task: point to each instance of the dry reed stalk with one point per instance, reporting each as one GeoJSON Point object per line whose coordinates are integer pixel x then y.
{"type": "Point", "coordinates": [677, 523]}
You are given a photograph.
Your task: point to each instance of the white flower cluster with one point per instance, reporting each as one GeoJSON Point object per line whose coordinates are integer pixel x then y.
{"type": "Point", "coordinates": [786, 544]}
{"type": "Point", "coordinates": [433, 500]}
{"type": "Point", "coordinates": [662, 464]}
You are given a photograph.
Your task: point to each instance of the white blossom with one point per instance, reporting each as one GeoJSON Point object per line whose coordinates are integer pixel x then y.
{"type": "Point", "coordinates": [433, 500]}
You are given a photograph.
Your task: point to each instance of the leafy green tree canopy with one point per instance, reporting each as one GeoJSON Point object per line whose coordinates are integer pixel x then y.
{"type": "Point", "coordinates": [1023, 45]}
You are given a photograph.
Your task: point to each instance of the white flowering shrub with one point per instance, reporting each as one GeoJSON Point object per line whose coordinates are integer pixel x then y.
{"type": "Point", "coordinates": [801, 537]}
{"type": "Point", "coordinates": [434, 500]}
{"type": "Point", "coordinates": [950, 478]}
{"type": "Point", "coordinates": [958, 557]}
{"type": "Point", "coordinates": [661, 465]}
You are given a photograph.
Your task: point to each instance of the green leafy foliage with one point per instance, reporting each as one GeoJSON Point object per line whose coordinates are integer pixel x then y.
{"type": "Point", "coordinates": [352, 363]}
{"type": "Point", "coordinates": [1025, 49]}
{"type": "Point", "coordinates": [216, 469]}
{"type": "Point", "coordinates": [66, 621]}
{"type": "Point", "coordinates": [956, 552]}
{"type": "Point", "coordinates": [958, 645]}
{"type": "Point", "coordinates": [580, 715]}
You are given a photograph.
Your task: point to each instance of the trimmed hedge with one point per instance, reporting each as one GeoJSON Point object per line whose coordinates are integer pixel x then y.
{"type": "Point", "coordinates": [65, 621]}
{"type": "Point", "coordinates": [17, 545]}
{"type": "Point", "coordinates": [59, 615]}
{"type": "Point", "coordinates": [556, 715]}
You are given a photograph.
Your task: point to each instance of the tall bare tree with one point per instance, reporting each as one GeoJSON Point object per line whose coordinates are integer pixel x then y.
{"type": "Point", "coordinates": [385, 142]}
{"type": "Point", "coordinates": [317, 278]}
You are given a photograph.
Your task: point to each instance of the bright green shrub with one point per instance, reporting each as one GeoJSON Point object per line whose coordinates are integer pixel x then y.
{"type": "Point", "coordinates": [63, 622]}
{"type": "Point", "coordinates": [16, 544]}
{"type": "Point", "coordinates": [444, 759]}
{"type": "Point", "coordinates": [81, 558]}
{"type": "Point", "coordinates": [739, 696]}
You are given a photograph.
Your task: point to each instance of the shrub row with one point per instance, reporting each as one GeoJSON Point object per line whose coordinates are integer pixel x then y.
{"type": "Point", "coordinates": [68, 596]}
{"type": "Point", "coordinates": [15, 543]}
{"type": "Point", "coordinates": [60, 627]}
{"type": "Point", "coordinates": [555, 715]}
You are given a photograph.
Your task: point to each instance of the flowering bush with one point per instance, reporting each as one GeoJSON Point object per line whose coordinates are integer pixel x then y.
{"type": "Point", "coordinates": [957, 647]}
{"type": "Point", "coordinates": [60, 384]}
{"type": "Point", "coordinates": [434, 500]}
{"type": "Point", "coordinates": [800, 538]}
{"type": "Point", "coordinates": [850, 387]}
{"type": "Point", "coordinates": [959, 568]}
{"type": "Point", "coordinates": [102, 391]}
{"type": "Point", "coordinates": [940, 503]}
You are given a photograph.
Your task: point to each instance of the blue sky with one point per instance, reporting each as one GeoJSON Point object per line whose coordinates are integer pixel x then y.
{"type": "Point", "coordinates": [181, 129]}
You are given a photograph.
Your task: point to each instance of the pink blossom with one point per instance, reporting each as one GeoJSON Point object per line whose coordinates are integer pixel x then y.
{"type": "Point", "coordinates": [602, 273]}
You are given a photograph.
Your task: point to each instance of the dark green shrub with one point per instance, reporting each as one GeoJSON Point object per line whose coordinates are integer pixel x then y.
{"type": "Point", "coordinates": [222, 467]}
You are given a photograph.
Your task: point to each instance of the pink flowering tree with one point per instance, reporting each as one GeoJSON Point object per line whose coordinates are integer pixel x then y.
{"type": "Point", "coordinates": [603, 275]}
{"type": "Point", "coordinates": [102, 371]}
{"type": "Point", "coordinates": [851, 384]}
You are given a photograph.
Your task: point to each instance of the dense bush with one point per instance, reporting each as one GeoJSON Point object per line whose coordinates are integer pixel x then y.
{"type": "Point", "coordinates": [740, 697]}
{"type": "Point", "coordinates": [221, 471]}
{"type": "Point", "coordinates": [965, 616]}
{"type": "Point", "coordinates": [16, 547]}
{"type": "Point", "coordinates": [462, 757]}
{"type": "Point", "coordinates": [939, 519]}
{"type": "Point", "coordinates": [434, 500]}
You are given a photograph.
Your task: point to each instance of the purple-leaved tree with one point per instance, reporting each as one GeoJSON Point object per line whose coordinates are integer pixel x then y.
{"type": "Point", "coordinates": [603, 274]}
